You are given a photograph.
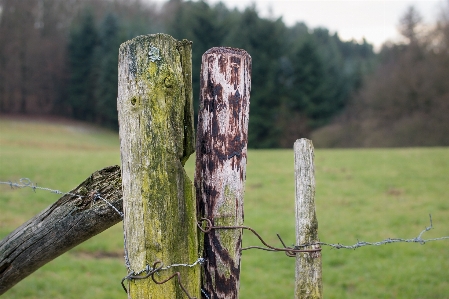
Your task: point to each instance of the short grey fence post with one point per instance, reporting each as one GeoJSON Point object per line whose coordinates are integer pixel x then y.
{"type": "Point", "coordinates": [309, 283]}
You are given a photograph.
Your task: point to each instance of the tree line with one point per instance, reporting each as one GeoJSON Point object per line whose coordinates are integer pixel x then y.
{"type": "Point", "coordinates": [60, 58]}
{"type": "Point", "coordinates": [405, 101]}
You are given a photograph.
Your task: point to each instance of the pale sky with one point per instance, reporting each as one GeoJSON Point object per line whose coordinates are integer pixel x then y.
{"type": "Point", "coordinates": [376, 20]}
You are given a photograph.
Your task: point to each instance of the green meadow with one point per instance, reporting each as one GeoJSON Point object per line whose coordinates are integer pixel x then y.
{"type": "Point", "coordinates": [361, 194]}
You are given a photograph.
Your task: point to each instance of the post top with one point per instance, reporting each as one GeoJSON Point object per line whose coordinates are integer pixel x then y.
{"type": "Point", "coordinates": [155, 36]}
{"type": "Point", "coordinates": [227, 50]}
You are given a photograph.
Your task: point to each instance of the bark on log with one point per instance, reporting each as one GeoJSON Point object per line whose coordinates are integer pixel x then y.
{"type": "Point", "coordinates": [63, 225]}
{"type": "Point", "coordinates": [309, 283]}
{"type": "Point", "coordinates": [221, 164]}
{"type": "Point", "coordinates": [156, 138]}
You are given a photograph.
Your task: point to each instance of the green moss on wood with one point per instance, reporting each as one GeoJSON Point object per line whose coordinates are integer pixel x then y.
{"type": "Point", "coordinates": [153, 112]}
{"type": "Point", "coordinates": [226, 216]}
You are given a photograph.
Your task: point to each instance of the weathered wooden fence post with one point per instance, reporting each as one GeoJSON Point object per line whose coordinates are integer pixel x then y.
{"type": "Point", "coordinates": [156, 138]}
{"type": "Point", "coordinates": [221, 164]}
{"type": "Point", "coordinates": [308, 264]}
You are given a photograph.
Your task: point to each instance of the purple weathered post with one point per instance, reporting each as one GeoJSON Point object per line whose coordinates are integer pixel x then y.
{"type": "Point", "coordinates": [221, 148]}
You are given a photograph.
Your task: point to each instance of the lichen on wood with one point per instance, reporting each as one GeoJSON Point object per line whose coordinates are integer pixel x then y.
{"type": "Point", "coordinates": [156, 139]}
{"type": "Point", "coordinates": [221, 144]}
{"type": "Point", "coordinates": [308, 264]}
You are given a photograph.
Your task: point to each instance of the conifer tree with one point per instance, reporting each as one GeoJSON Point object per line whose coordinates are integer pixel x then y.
{"type": "Point", "coordinates": [107, 60]}
{"type": "Point", "coordinates": [82, 42]}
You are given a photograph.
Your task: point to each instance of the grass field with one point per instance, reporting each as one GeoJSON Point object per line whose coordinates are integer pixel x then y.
{"type": "Point", "coordinates": [368, 195]}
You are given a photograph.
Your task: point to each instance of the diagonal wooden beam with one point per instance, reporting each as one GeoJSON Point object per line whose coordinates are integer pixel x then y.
{"type": "Point", "coordinates": [68, 222]}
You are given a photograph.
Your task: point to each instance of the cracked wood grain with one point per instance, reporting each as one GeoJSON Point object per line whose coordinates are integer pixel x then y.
{"type": "Point", "coordinates": [222, 137]}
{"type": "Point", "coordinates": [309, 284]}
{"type": "Point", "coordinates": [68, 222]}
{"type": "Point", "coordinates": [156, 139]}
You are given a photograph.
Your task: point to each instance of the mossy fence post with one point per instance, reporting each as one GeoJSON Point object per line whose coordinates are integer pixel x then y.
{"type": "Point", "coordinates": [221, 145]}
{"type": "Point", "coordinates": [309, 283]}
{"type": "Point", "coordinates": [156, 138]}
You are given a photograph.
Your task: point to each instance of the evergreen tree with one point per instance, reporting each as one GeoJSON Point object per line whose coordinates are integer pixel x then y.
{"type": "Point", "coordinates": [308, 94]}
{"type": "Point", "coordinates": [336, 85]}
{"type": "Point", "coordinates": [82, 42]}
{"type": "Point", "coordinates": [201, 24]}
{"type": "Point", "coordinates": [107, 72]}
{"type": "Point", "coordinates": [263, 40]}
{"type": "Point", "coordinates": [301, 78]}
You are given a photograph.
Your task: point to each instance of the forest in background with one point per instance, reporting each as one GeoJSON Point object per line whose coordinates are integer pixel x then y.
{"type": "Point", "coordinates": [405, 101]}
{"type": "Point", "coordinates": [59, 58]}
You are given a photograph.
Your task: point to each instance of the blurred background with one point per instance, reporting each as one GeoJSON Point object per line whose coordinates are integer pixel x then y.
{"type": "Point", "coordinates": [59, 59]}
{"type": "Point", "coordinates": [310, 78]}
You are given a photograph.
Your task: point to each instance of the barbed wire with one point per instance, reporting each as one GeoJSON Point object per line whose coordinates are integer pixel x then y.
{"type": "Point", "coordinates": [289, 250]}
{"type": "Point", "coordinates": [27, 183]}
{"type": "Point", "coordinates": [205, 294]}
{"type": "Point", "coordinates": [98, 196]}
{"type": "Point", "coordinates": [359, 244]}
{"type": "Point", "coordinates": [150, 271]}
{"type": "Point", "coordinates": [292, 250]}
{"type": "Point", "coordinates": [158, 266]}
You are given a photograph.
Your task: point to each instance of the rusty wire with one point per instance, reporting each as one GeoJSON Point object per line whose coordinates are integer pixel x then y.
{"type": "Point", "coordinates": [289, 251]}
{"type": "Point", "coordinates": [150, 273]}
{"type": "Point", "coordinates": [177, 274]}
{"type": "Point", "coordinates": [156, 268]}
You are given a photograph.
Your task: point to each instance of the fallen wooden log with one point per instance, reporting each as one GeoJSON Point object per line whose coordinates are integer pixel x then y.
{"type": "Point", "coordinates": [68, 222]}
